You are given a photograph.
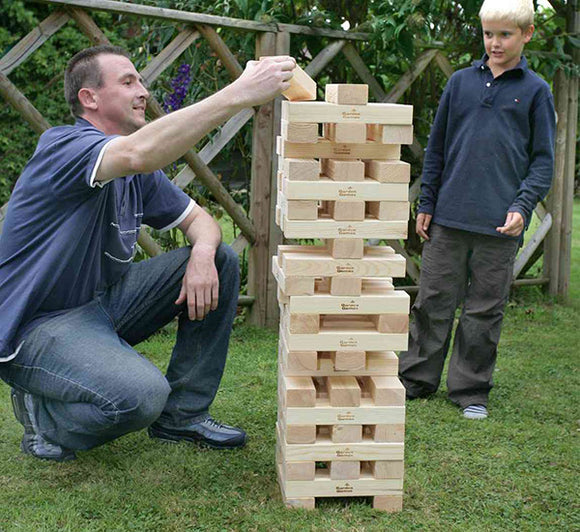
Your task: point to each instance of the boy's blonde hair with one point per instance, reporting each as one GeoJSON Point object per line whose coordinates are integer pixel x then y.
{"type": "Point", "coordinates": [520, 12]}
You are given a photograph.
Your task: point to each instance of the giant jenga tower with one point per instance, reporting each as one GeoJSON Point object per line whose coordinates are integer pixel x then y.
{"type": "Point", "coordinates": [341, 415]}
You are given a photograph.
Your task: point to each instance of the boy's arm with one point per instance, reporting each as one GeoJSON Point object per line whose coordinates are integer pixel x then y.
{"type": "Point", "coordinates": [433, 166]}
{"type": "Point", "coordinates": [537, 182]}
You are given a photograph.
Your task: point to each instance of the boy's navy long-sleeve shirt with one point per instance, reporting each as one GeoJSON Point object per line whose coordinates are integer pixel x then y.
{"type": "Point", "coordinates": [491, 149]}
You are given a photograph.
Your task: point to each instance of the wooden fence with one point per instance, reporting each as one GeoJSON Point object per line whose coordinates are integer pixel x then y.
{"type": "Point", "coordinates": [258, 230]}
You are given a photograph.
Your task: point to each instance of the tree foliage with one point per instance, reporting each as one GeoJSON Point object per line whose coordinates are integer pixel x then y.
{"type": "Point", "coordinates": [400, 30]}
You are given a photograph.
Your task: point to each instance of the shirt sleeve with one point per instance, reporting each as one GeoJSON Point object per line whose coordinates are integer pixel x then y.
{"type": "Point", "coordinates": [536, 184]}
{"type": "Point", "coordinates": [435, 156]}
{"type": "Point", "coordinates": [73, 157]}
{"type": "Point", "coordinates": [165, 205]}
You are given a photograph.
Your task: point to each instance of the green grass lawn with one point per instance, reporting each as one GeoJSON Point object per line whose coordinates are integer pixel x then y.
{"type": "Point", "coordinates": [518, 470]}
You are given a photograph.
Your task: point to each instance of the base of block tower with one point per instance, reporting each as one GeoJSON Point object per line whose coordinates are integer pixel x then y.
{"type": "Point", "coordinates": [388, 503]}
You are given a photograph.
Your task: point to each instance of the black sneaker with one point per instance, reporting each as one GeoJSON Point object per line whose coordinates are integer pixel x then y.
{"type": "Point", "coordinates": [33, 443]}
{"type": "Point", "coordinates": [207, 432]}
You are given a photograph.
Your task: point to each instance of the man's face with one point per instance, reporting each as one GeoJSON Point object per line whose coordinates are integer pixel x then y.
{"type": "Point", "coordinates": [121, 101]}
{"type": "Point", "coordinates": [504, 43]}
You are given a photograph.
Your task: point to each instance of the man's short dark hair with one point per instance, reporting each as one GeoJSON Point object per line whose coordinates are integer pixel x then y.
{"type": "Point", "coordinates": [83, 70]}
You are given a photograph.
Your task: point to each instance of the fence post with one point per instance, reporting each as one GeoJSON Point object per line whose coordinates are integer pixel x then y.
{"type": "Point", "coordinates": [552, 244]}
{"type": "Point", "coordinates": [260, 196]}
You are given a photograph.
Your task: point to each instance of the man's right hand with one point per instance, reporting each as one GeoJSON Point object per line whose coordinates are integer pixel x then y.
{"type": "Point", "coordinates": [423, 222]}
{"type": "Point", "coordinates": [263, 80]}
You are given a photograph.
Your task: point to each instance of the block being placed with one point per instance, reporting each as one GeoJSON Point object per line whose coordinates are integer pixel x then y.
{"type": "Point", "coordinates": [347, 93]}
{"type": "Point", "coordinates": [302, 87]}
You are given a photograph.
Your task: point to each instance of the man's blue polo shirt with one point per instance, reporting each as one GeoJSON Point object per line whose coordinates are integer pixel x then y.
{"type": "Point", "coordinates": [66, 238]}
{"type": "Point", "coordinates": [491, 148]}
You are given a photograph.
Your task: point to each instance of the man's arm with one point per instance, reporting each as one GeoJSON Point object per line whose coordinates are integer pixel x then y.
{"type": "Point", "coordinates": [164, 140]}
{"type": "Point", "coordinates": [200, 286]}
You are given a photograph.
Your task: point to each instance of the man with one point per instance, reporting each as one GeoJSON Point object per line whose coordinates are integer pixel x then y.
{"type": "Point", "coordinates": [72, 302]}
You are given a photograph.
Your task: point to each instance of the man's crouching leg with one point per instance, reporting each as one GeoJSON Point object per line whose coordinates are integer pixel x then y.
{"type": "Point", "coordinates": [197, 366]}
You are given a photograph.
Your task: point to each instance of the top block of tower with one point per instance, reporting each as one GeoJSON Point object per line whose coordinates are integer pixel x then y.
{"type": "Point", "coordinates": [347, 93]}
{"type": "Point", "coordinates": [302, 86]}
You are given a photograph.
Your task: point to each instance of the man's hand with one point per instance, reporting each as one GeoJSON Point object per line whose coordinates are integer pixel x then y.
{"type": "Point", "coordinates": [200, 285]}
{"type": "Point", "coordinates": [263, 80]}
{"type": "Point", "coordinates": [513, 225]}
{"type": "Point", "coordinates": [423, 222]}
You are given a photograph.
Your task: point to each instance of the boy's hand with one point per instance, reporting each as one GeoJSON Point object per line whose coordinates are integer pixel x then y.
{"type": "Point", "coordinates": [513, 225]}
{"type": "Point", "coordinates": [423, 222]}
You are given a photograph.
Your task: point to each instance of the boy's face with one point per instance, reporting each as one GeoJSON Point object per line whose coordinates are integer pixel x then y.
{"type": "Point", "coordinates": [504, 43]}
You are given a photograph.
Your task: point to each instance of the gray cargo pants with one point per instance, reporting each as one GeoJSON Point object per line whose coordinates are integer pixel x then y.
{"type": "Point", "coordinates": [458, 266]}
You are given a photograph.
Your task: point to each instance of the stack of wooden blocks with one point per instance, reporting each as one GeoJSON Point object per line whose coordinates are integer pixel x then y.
{"type": "Point", "coordinates": [341, 415]}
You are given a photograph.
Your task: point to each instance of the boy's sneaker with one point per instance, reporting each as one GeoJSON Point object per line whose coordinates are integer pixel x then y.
{"type": "Point", "coordinates": [207, 432]}
{"type": "Point", "coordinates": [32, 442]}
{"type": "Point", "coordinates": [475, 412]}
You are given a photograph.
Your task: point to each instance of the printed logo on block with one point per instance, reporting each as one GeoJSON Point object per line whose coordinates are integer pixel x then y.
{"type": "Point", "coordinates": [349, 342]}
{"type": "Point", "coordinates": [349, 192]}
{"type": "Point", "coordinates": [347, 268]}
{"type": "Point", "coordinates": [352, 114]}
{"type": "Point", "coordinates": [351, 305]}
{"type": "Point", "coordinates": [341, 149]}
{"type": "Point", "coordinates": [344, 453]}
{"type": "Point", "coordinates": [347, 488]}
{"type": "Point", "coordinates": [348, 230]}
{"type": "Point", "coordinates": [346, 416]}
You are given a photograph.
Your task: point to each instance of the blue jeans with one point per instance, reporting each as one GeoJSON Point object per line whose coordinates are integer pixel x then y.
{"type": "Point", "coordinates": [90, 386]}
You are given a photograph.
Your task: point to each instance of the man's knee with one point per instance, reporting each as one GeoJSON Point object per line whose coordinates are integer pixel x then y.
{"type": "Point", "coordinates": [143, 402]}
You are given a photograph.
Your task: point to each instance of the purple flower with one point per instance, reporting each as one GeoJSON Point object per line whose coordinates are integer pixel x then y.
{"type": "Point", "coordinates": [179, 87]}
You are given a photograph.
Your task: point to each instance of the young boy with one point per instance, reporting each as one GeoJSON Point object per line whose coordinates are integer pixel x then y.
{"type": "Point", "coordinates": [489, 161]}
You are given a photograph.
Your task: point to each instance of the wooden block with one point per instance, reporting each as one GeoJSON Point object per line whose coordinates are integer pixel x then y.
{"type": "Point", "coordinates": [388, 210]}
{"type": "Point", "coordinates": [343, 170]}
{"type": "Point", "coordinates": [347, 133]}
{"type": "Point", "coordinates": [342, 211]}
{"type": "Point", "coordinates": [388, 468]}
{"type": "Point", "coordinates": [302, 209]}
{"type": "Point", "coordinates": [304, 503]}
{"type": "Point", "coordinates": [326, 227]}
{"type": "Point", "coordinates": [346, 93]}
{"type": "Point", "coordinates": [390, 134]}
{"type": "Point", "coordinates": [299, 131]}
{"type": "Point", "coordinates": [304, 323]}
{"type": "Point", "coordinates": [366, 414]}
{"type": "Point", "coordinates": [303, 360]}
{"type": "Point", "coordinates": [346, 248]}
{"type": "Point", "coordinates": [343, 391]}
{"type": "Point", "coordinates": [334, 189]}
{"type": "Point", "coordinates": [298, 391]}
{"type": "Point", "coordinates": [392, 323]}
{"type": "Point", "coordinates": [344, 470]}
{"type": "Point", "coordinates": [346, 433]}
{"type": "Point", "coordinates": [388, 503]}
{"type": "Point", "coordinates": [345, 286]}
{"type": "Point", "coordinates": [370, 301]}
{"type": "Point", "coordinates": [388, 433]}
{"type": "Point", "coordinates": [386, 391]}
{"type": "Point", "coordinates": [388, 171]}
{"type": "Point", "coordinates": [315, 261]}
{"type": "Point", "coordinates": [302, 86]}
{"type": "Point", "coordinates": [300, 470]}
{"type": "Point", "coordinates": [301, 169]}
{"type": "Point", "coordinates": [300, 433]}
{"type": "Point", "coordinates": [326, 149]}
{"type": "Point", "coordinates": [349, 360]}
{"type": "Point", "coordinates": [371, 113]}
{"type": "Point", "coordinates": [295, 285]}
